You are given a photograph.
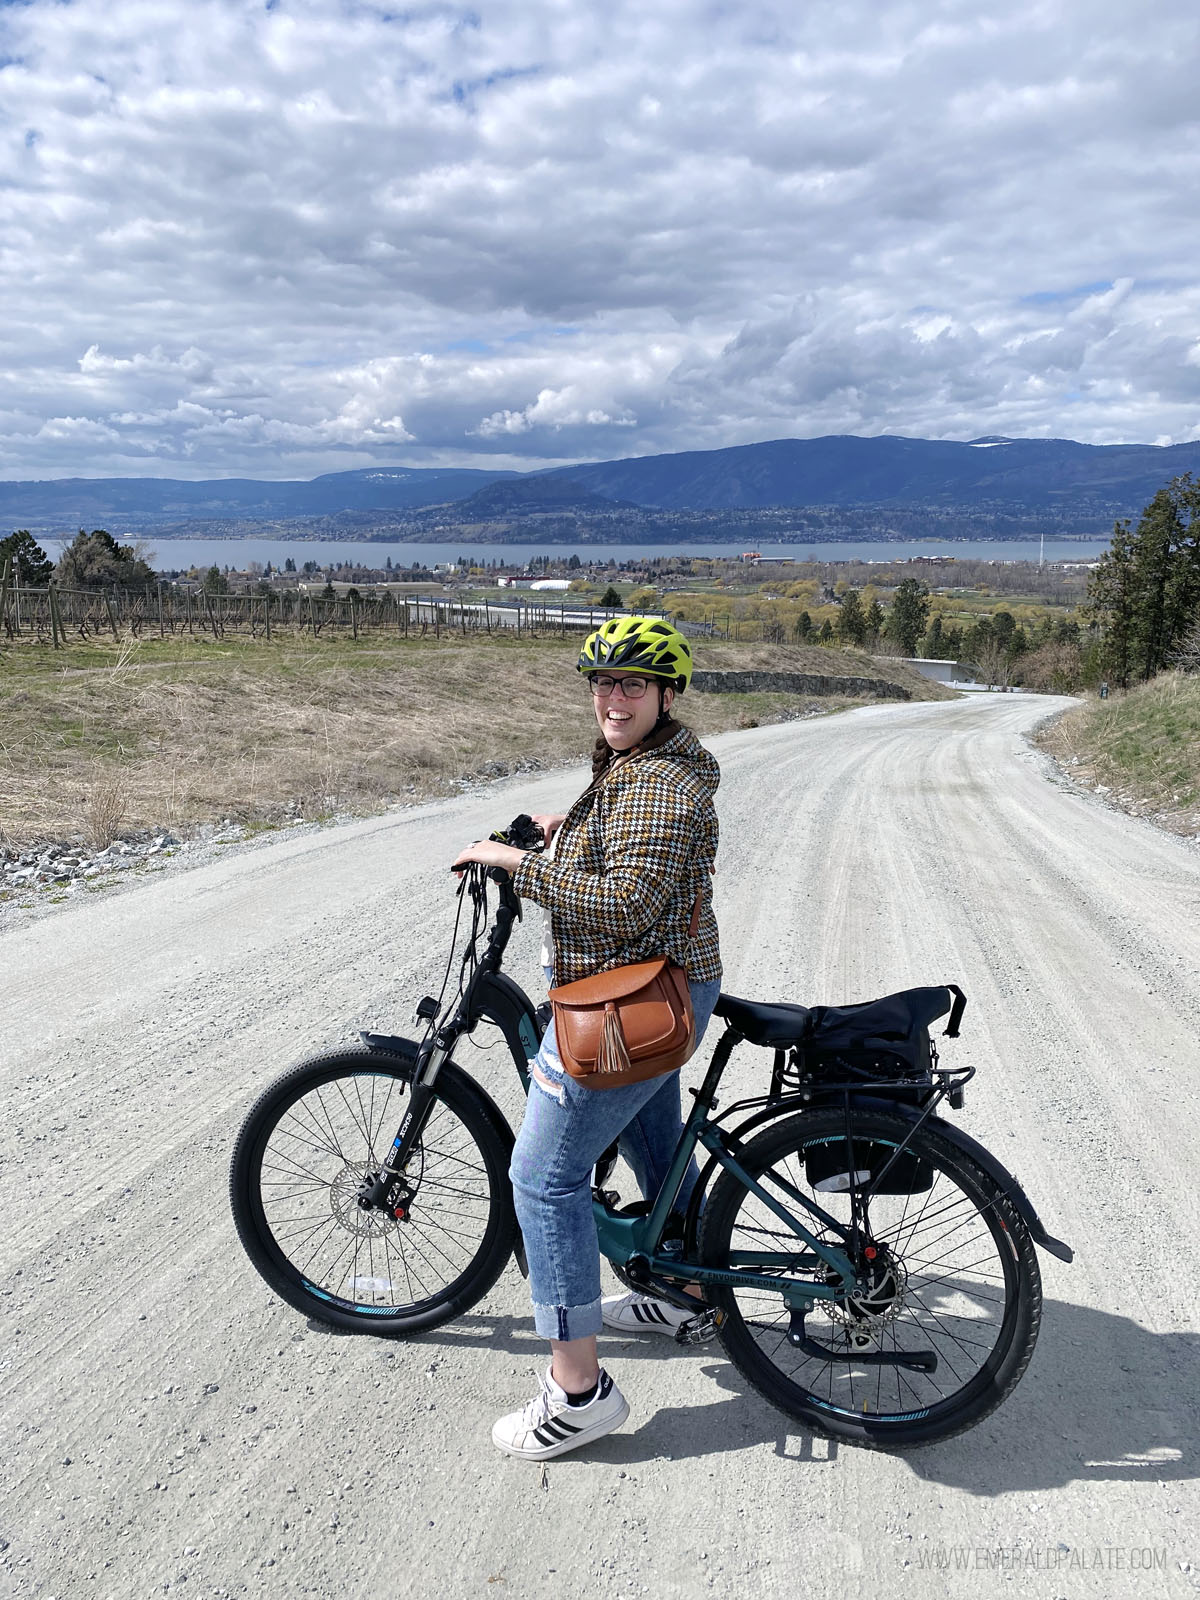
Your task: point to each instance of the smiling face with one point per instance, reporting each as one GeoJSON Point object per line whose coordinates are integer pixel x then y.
{"type": "Point", "coordinates": [624, 721]}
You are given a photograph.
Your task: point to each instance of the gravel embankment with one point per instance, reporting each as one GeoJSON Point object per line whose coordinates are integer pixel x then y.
{"type": "Point", "coordinates": [170, 1427]}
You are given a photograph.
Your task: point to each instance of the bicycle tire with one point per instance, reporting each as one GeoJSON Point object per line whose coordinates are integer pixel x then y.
{"type": "Point", "coordinates": [979, 1317]}
{"type": "Point", "coordinates": [314, 1150]}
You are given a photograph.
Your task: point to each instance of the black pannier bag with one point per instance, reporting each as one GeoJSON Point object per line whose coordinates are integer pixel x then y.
{"type": "Point", "coordinates": [828, 1170]}
{"type": "Point", "coordinates": [882, 1046]}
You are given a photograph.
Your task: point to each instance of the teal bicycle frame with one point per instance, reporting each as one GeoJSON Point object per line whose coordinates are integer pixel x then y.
{"type": "Point", "coordinates": [624, 1239]}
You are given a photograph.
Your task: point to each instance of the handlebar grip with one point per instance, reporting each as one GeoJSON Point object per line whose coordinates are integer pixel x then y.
{"type": "Point", "coordinates": [956, 1014]}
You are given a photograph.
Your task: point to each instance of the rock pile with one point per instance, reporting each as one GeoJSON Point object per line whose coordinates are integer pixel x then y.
{"type": "Point", "coordinates": [70, 864]}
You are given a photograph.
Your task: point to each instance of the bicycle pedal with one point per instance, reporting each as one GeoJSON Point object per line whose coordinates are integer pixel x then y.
{"type": "Point", "coordinates": [701, 1329]}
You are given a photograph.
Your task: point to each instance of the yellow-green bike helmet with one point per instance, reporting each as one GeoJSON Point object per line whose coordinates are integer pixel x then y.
{"type": "Point", "coordinates": [639, 644]}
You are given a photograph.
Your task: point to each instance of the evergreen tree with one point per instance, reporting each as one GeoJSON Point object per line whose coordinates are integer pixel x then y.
{"type": "Point", "coordinates": [826, 634]}
{"type": "Point", "coordinates": [96, 561]}
{"type": "Point", "coordinates": [1145, 591]}
{"type": "Point", "coordinates": [804, 626]}
{"type": "Point", "coordinates": [289, 565]}
{"type": "Point", "coordinates": [610, 598]}
{"type": "Point", "coordinates": [874, 620]}
{"type": "Point", "coordinates": [934, 641]}
{"type": "Point", "coordinates": [852, 620]}
{"type": "Point", "coordinates": [215, 581]}
{"type": "Point", "coordinates": [1004, 626]}
{"type": "Point", "coordinates": [1158, 537]}
{"type": "Point", "coordinates": [1112, 602]}
{"type": "Point", "coordinates": [30, 564]}
{"type": "Point", "coordinates": [910, 608]}
{"type": "Point", "coordinates": [952, 644]}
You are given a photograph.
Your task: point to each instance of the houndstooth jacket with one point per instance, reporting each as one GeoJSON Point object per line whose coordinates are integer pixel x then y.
{"type": "Point", "coordinates": [634, 849]}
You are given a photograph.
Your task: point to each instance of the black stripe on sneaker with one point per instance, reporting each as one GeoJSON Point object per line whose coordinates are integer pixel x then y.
{"type": "Point", "coordinates": [656, 1311]}
{"type": "Point", "coordinates": [544, 1435]}
{"type": "Point", "coordinates": [567, 1427]}
{"type": "Point", "coordinates": [638, 1311]}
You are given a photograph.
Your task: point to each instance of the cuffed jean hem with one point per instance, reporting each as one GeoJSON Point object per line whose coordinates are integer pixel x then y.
{"type": "Point", "coordinates": [567, 1322]}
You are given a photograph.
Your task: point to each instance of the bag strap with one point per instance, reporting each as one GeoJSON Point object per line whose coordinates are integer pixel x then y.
{"type": "Point", "coordinates": [694, 925]}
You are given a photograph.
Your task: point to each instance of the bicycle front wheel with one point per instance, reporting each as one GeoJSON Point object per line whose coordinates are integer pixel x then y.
{"type": "Point", "coordinates": [949, 1281]}
{"type": "Point", "coordinates": [305, 1148]}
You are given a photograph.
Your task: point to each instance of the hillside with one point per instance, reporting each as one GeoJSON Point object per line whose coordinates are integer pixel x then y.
{"type": "Point", "coordinates": [1139, 750]}
{"type": "Point", "coordinates": [1024, 474]}
{"type": "Point", "coordinates": [785, 490]}
{"type": "Point", "coordinates": [175, 733]}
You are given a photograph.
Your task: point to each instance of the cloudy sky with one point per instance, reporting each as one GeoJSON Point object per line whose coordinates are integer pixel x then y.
{"type": "Point", "coordinates": [283, 238]}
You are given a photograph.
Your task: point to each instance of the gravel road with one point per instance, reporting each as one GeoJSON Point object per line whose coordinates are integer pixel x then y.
{"type": "Point", "coordinates": [169, 1426]}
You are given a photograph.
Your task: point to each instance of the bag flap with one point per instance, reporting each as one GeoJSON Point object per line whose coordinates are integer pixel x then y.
{"type": "Point", "coordinates": [614, 985]}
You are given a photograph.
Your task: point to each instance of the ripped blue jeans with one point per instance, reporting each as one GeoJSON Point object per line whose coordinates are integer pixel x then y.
{"type": "Point", "coordinates": [567, 1128]}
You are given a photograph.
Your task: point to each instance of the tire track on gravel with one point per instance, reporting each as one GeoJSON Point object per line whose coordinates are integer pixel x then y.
{"type": "Point", "coordinates": [899, 845]}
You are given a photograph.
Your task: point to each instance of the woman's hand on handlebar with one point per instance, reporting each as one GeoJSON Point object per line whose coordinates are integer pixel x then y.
{"type": "Point", "coordinates": [489, 854]}
{"type": "Point", "coordinates": [549, 824]}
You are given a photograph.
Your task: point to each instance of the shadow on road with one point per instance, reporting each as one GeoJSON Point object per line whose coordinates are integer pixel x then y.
{"type": "Point", "coordinates": [1104, 1400]}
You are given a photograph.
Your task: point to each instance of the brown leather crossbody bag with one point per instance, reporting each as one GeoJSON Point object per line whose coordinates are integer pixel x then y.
{"type": "Point", "coordinates": [628, 1024]}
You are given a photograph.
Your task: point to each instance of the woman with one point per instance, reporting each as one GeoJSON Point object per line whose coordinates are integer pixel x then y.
{"type": "Point", "coordinates": [631, 856]}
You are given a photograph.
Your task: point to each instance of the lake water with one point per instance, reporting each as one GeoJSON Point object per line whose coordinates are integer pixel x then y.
{"type": "Point", "coordinates": [180, 554]}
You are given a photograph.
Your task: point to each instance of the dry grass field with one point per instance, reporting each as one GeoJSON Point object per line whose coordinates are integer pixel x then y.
{"type": "Point", "coordinates": [1142, 745]}
{"type": "Point", "coordinates": [171, 733]}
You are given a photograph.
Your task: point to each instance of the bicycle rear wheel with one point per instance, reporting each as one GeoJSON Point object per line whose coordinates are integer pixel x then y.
{"type": "Point", "coordinates": [953, 1277]}
{"type": "Point", "coordinates": [304, 1149]}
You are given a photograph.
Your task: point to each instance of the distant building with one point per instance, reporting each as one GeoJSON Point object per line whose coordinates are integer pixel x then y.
{"type": "Point", "coordinates": [940, 671]}
{"type": "Point", "coordinates": [551, 583]}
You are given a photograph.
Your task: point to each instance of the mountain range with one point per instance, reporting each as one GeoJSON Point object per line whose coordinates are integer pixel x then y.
{"type": "Point", "coordinates": [800, 489]}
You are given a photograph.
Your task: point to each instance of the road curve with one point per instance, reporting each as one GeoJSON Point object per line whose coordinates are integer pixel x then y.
{"type": "Point", "coordinates": [168, 1426]}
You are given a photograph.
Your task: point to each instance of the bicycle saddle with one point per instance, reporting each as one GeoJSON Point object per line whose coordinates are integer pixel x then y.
{"type": "Point", "coordinates": [775, 1025]}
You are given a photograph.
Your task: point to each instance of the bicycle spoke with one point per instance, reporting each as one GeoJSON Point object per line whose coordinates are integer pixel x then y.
{"type": "Point", "coordinates": [942, 1285]}
{"type": "Point", "coordinates": [321, 1147]}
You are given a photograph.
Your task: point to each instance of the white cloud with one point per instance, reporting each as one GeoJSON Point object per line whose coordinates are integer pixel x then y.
{"type": "Point", "coordinates": [281, 241]}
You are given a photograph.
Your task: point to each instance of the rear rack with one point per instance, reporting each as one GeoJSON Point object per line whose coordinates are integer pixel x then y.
{"type": "Point", "coordinates": [810, 1077]}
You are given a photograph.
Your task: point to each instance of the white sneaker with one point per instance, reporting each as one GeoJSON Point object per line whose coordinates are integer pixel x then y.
{"type": "Point", "coordinates": [550, 1425]}
{"type": "Point", "coordinates": [639, 1313]}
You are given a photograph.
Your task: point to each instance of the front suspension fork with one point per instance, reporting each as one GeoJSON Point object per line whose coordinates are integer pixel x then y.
{"type": "Point", "coordinates": [388, 1189]}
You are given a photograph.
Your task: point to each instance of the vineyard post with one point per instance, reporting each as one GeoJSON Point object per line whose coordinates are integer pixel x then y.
{"type": "Point", "coordinates": [4, 623]}
{"type": "Point", "coordinates": [161, 629]}
{"type": "Point", "coordinates": [56, 632]}
{"type": "Point", "coordinates": [112, 615]}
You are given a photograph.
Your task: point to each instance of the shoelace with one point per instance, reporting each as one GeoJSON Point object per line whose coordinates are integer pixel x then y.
{"type": "Point", "coordinates": [539, 1408]}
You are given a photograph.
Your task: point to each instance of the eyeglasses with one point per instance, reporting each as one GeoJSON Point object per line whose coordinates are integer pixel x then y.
{"type": "Point", "coordinates": [632, 688]}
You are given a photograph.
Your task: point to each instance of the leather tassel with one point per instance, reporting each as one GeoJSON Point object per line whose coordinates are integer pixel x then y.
{"type": "Point", "coordinates": [613, 1057]}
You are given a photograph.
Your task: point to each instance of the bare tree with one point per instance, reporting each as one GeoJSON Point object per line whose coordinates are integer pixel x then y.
{"type": "Point", "coordinates": [1186, 655]}
{"type": "Point", "coordinates": [992, 662]}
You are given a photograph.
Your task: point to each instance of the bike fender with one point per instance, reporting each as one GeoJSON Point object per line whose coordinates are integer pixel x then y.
{"type": "Point", "coordinates": [954, 1135]}
{"type": "Point", "coordinates": [994, 1168]}
{"type": "Point", "coordinates": [404, 1052]}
